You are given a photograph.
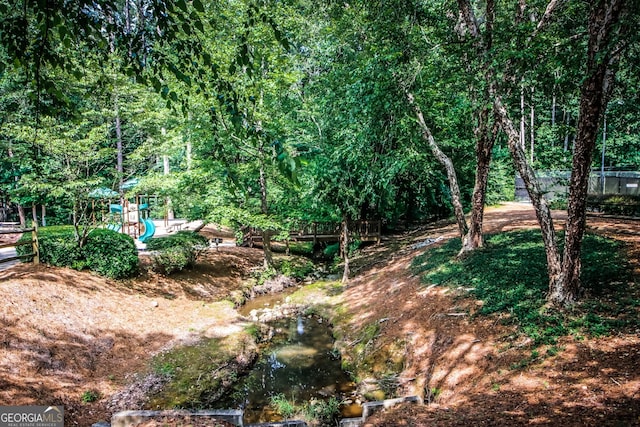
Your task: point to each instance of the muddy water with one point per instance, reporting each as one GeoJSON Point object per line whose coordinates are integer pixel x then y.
{"type": "Point", "coordinates": [266, 301]}
{"type": "Point", "coordinates": [298, 363]}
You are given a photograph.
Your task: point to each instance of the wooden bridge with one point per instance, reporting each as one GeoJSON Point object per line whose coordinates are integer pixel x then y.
{"type": "Point", "coordinates": [365, 231]}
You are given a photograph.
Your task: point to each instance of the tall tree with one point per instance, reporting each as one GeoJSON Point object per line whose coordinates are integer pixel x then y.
{"type": "Point", "coordinates": [603, 52]}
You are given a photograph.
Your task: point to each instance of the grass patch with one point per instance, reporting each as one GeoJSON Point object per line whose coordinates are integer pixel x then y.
{"type": "Point", "coordinates": [316, 412]}
{"type": "Point", "coordinates": [510, 276]}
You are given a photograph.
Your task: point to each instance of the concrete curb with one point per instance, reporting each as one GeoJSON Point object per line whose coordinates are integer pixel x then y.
{"type": "Point", "coordinates": [233, 416]}
{"type": "Point", "coordinates": [133, 418]}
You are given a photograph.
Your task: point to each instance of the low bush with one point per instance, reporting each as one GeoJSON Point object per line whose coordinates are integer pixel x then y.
{"type": "Point", "coordinates": [615, 204]}
{"type": "Point", "coordinates": [106, 252]}
{"type": "Point", "coordinates": [176, 252]}
{"type": "Point", "coordinates": [111, 254]}
{"type": "Point", "coordinates": [296, 267]}
{"type": "Point", "coordinates": [178, 239]}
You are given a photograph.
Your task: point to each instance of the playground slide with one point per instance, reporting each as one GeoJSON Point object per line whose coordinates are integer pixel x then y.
{"type": "Point", "coordinates": [113, 227]}
{"type": "Point", "coordinates": [149, 229]}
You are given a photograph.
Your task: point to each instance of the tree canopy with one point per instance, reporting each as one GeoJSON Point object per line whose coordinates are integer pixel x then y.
{"type": "Point", "coordinates": [263, 113]}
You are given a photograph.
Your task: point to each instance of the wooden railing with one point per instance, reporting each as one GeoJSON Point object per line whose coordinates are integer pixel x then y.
{"type": "Point", "coordinates": [366, 231]}
{"type": "Point", "coordinates": [12, 228]}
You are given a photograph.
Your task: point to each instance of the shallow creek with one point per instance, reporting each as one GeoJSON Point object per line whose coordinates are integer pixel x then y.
{"type": "Point", "coordinates": [298, 363]}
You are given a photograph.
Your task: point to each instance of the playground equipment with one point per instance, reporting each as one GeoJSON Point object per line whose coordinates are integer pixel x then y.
{"type": "Point", "coordinates": [131, 216]}
{"type": "Point", "coordinates": [134, 220]}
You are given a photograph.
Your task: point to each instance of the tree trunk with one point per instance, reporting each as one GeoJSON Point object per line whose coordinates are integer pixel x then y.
{"type": "Point", "coordinates": [543, 213]}
{"type": "Point", "coordinates": [602, 55]}
{"type": "Point", "coordinates": [189, 147]}
{"type": "Point", "coordinates": [344, 246]}
{"type": "Point", "coordinates": [264, 206]}
{"type": "Point", "coordinates": [22, 216]}
{"type": "Point", "coordinates": [44, 215]}
{"type": "Point", "coordinates": [448, 165]}
{"type": "Point", "coordinates": [566, 132]}
{"type": "Point", "coordinates": [485, 138]}
{"type": "Point", "coordinates": [522, 129]}
{"type": "Point", "coordinates": [601, 62]}
{"type": "Point", "coordinates": [532, 129]}
{"type": "Point", "coordinates": [166, 168]}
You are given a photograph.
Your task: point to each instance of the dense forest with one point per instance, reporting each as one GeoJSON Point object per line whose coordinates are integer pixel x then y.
{"type": "Point", "coordinates": [265, 113]}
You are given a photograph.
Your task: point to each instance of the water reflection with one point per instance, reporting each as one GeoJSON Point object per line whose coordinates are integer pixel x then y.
{"type": "Point", "coordinates": [298, 364]}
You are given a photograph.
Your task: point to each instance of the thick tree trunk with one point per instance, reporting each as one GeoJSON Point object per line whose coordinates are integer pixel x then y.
{"type": "Point", "coordinates": [593, 101]}
{"type": "Point", "coordinates": [448, 165]}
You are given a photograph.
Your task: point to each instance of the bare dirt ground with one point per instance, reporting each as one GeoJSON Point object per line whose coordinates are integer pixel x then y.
{"type": "Point", "coordinates": [464, 367]}
{"type": "Point", "coordinates": [65, 333]}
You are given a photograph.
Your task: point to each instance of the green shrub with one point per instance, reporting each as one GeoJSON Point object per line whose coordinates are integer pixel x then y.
{"type": "Point", "coordinates": [331, 250]}
{"type": "Point", "coordinates": [178, 239]}
{"type": "Point", "coordinates": [298, 268]}
{"type": "Point", "coordinates": [106, 252]}
{"type": "Point", "coordinates": [283, 406]}
{"type": "Point", "coordinates": [111, 254]}
{"type": "Point", "coordinates": [177, 251]}
{"type": "Point", "coordinates": [58, 247]}
{"type": "Point", "coordinates": [615, 204]}
{"type": "Point", "coordinates": [174, 259]}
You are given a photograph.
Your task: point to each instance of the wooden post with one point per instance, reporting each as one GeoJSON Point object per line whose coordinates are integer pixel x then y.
{"type": "Point", "coordinates": [315, 234]}
{"type": "Point", "coordinates": [34, 240]}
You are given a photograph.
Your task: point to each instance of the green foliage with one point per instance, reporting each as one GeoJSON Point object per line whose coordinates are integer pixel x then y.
{"type": "Point", "coordinates": [181, 238]}
{"type": "Point", "coordinates": [323, 412]}
{"type": "Point", "coordinates": [262, 275]}
{"type": "Point", "coordinates": [316, 412]}
{"type": "Point", "coordinates": [176, 252]}
{"type": "Point", "coordinates": [332, 250]}
{"type": "Point", "coordinates": [283, 406]}
{"type": "Point", "coordinates": [297, 267]}
{"type": "Point", "coordinates": [509, 275]}
{"type": "Point", "coordinates": [111, 254]}
{"type": "Point", "coordinates": [106, 252]}
{"type": "Point", "coordinates": [58, 247]}
{"type": "Point", "coordinates": [625, 205]}
{"type": "Point", "coordinates": [90, 396]}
